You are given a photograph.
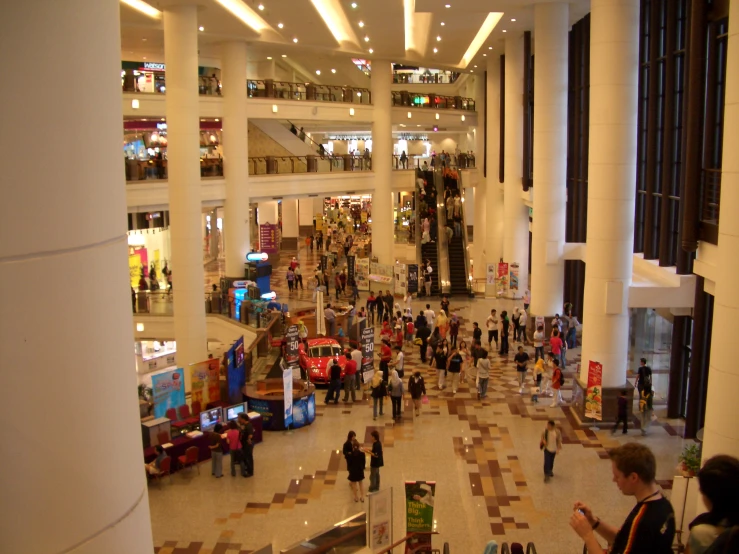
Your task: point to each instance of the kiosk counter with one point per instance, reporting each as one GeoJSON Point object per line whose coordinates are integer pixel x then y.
{"type": "Point", "coordinates": [267, 397]}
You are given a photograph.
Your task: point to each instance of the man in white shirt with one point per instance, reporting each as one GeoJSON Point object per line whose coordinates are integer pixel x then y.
{"type": "Point", "coordinates": [522, 324]}
{"type": "Point", "coordinates": [330, 316]}
{"type": "Point", "coordinates": [430, 316]}
{"type": "Point", "coordinates": [399, 362]}
{"type": "Point", "coordinates": [356, 355]}
{"type": "Point", "coordinates": [492, 325]}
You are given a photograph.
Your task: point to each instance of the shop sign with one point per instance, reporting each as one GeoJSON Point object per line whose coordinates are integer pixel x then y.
{"type": "Point", "coordinates": [153, 66]}
{"type": "Point", "coordinates": [413, 278]}
{"type": "Point", "coordinates": [268, 238]}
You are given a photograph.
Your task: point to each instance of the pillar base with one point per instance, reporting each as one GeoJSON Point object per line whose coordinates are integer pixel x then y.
{"type": "Point", "coordinates": [610, 403]}
{"type": "Point", "coordinates": [290, 243]}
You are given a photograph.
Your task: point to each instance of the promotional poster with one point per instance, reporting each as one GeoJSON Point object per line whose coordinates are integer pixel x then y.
{"type": "Point", "coordinates": [287, 389]}
{"type": "Point", "coordinates": [380, 523]}
{"type": "Point", "coordinates": [419, 506]}
{"type": "Point", "coordinates": [513, 283]}
{"type": "Point", "coordinates": [205, 377]}
{"type": "Point", "coordinates": [413, 278]}
{"type": "Point", "coordinates": [362, 273]}
{"type": "Point", "coordinates": [502, 278]}
{"type": "Point", "coordinates": [168, 391]}
{"type": "Point", "coordinates": [594, 394]}
{"type": "Point", "coordinates": [401, 278]}
{"type": "Point", "coordinates": [492, 274]}
{"type": "Point", "coordinates": [368, 352]}
{"type": "Point", "coordinates": [236, 371]}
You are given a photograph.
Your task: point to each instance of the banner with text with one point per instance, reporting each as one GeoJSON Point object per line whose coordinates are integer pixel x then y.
{"type": "Point", "coordinates": [168, 391]}
{"type": "Point", "coordinates": [502, 278]}
{"type": "Point", "coordinates": [594, 394]}
{"type": "Point", "coordinates": [292, 338]}
{"type": "Point", "coordinates": [513, 282]}
{"type": "Point", "coordinates": [401, 278]}
{"type": "Point", "coordinates": [413, 278]}
{"type": "Point", "coordinates": [287, 389]}
{"type": "Point", "coordinates": [206, 386]}
{"type": "Point", "coordinates": [268, 238]}
{"type": "Point", "coordinates": [380, 524]}
{"type": "Point", "coordinates": [236, 371]}
{"type": "Point", "coordinates": [368, 352]}
{"type": "Point", "coordinates": [381, 273]}
{"type": "Point", "coordinates": [491, 274]}
{"type": "Point", "coordinates": [362, 273]}
{"type": "Point", "coordinates": [419, 506]}
{"type": "Point", "coordinates": [351, 272]}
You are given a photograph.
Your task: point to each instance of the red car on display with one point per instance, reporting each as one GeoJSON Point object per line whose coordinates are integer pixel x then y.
{"type": "Point", "coordinates": [318, 358]}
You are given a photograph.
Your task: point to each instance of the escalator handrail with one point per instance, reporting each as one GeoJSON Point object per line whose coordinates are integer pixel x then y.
{"type": "Point", "coordinates": [465, 238]}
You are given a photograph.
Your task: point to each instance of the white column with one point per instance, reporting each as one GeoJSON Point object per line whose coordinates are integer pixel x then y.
{"type": "Point", "coordinates": [68, 487]}
{"type": "Point", "coordinates": [551, 22]}
{"type": "Point", "coordinates": [267, 212]}
{"type": "Point", "coordinates": [614, 48]}
{"type": "Point", "coordinates": [235, 158]}
{"type": "Point", "coordinates": [305, 211]}
{"type": "Point", "coordinates": [721, 434]}
{"type": "Point", "coordinates": [382, 150]}
{"type": "Point", "coordinates": [183, 154]}
{"type": "Point", "coordinates": [516, 213]}
{"type": "Point", "coordinates": [494, 229]}
{"type": "Point", "coordinates": [480, 220]}
{"type": "Point", "coordinates": [290, 220]}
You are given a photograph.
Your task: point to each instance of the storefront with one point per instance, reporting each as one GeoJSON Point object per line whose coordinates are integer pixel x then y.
{"type": "Point", "coordinates": [154, 355]}
{"type": "Point", "coordinates": [145, 76]}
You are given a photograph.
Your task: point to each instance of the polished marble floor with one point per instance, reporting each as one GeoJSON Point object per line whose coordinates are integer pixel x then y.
{"type": "Point", "coordinates": [483, 455]}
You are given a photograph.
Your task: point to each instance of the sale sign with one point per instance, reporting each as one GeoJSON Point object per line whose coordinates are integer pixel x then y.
{"type": "Point", "coordinates": [594, 393]}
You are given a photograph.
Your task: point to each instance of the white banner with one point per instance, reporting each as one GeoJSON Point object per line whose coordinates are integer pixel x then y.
{"type": "Point", "coordinates": [361, 273]}
{"type": "Point", "coordinates": [320, 316]}
{"type": "Point", "coordinates": [287, 389]}
{"type": "Point", "coordinates": [401, 278]}
{"type": "Point", "coordinates": [380, 528]}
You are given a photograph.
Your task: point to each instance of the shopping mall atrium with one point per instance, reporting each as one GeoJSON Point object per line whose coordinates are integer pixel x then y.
{"type": "Point", "coordinates": [255, 170]}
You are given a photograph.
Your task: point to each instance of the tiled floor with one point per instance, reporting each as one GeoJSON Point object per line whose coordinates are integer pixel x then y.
{"type": "Point", "coordinates": [483, 455]}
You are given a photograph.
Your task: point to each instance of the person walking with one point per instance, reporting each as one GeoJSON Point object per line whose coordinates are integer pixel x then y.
{"type": "Point", "coordinates": [234, 447]}
{"type": "Point", "coordinates": [483, 375]}
{"type": "Point", "coordinates": [516, 320]}
{"type": "Point", "coordinates": [427, 279]}
{"type": "Point", "coordinates": [386, 356]}
{"type": "Point", "coordinates": [440, 361]}
{"type": "Point", "coordinates": [454, 366]}
{"type": "Point", "coordinates": [371, 308]}
{"type": "Point", "coordinates": [422, 333]}
{"type": "Point", "coordinates": [350, 377]}
{"type": "Point", "coordinates": [356, 464]}
{"type": "Point", "coordinates": [521, 359]}
{"type": "Point", "coordinates": [396, 393]}
{"type": "Point", "coordinates": [522, 321]}
{"type": "Point", "coordinates": [551, 444]}
{"type": "Point", "coordinates": [557, 382]}
{"type": "Point", "coordinates": [505, 329]}
{"type": "Point", "coordinates": [247, 444]}
{"type": "Point", "coordinates": [216, 451]}
{"type": "Point", "coordinates": [623, 405]}
{"type": "Point", "coordinates": [491, 323]}
{"type": "Point", "coordinates": [376, 462]}
{"type": "Point", "coordinates": [571, 337]}
{"type": "Point", "coordinates": [290, 280]}
{"type": "Point", "coordinates": [643, 376]}
{"type": "Point", "coordinates": [334, 386]}
{"type": "Point", "coordinates": [539, 343]}
{"type": "Point", "coordinates": [453, 329]}
{"type": "Point", "coordinates": [348, 448]}
{"type": "Point", "coordinates": [442, 323]}
{"type": "Point", "coordinates": [337, 285]}
{"type": "Point", "coordinates": [298, 278]}
{"type": "Point", "coordinates": [556, 344]}
{"type": "Point", "coordinates": [538, 376]}
{"type": "Point", "coordinates": [379, 306]}
{"type": "Point", "coordinates": [379, 392]}
{"type": "Point", "coordinates": [417, 388]}
{"type": "Point", "coordinates": [400, 362]}
{"type": "Point", "coordinates": [430, 316]}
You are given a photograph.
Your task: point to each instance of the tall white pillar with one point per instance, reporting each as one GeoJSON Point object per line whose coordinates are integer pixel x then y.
{"type": "Point", "coordinates": [68, 487]}
{"type": "Point", "coordinates": [614, 49]}
{"type": "Point", "coordinates": [268, 212]}
{"type": "Point", "coordinates": [290, 223]}
{"type": "Point", "coordinates": [480, 227]}
{"type": "Point", "coordinates": [305, 211]}
{"type": "Point", "coordinates": [183, 154]}
{"type": "Point", "coordinates": [551, 22]}
{"type": "Point", "coordinates": [494, 228]}
{"type": "Point", "coordinates": [383, 242]}
{"type": "Point", "coordinates": [516, 213]}
{"type": "Point", "coordinates": [235, 157]}
{"type": "Point", "coordinates": [720, 434]}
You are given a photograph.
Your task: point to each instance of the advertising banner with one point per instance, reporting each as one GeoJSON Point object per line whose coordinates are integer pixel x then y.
{"type": "Point", "coordinates": [401, 278]}
{"type": "Point", "coordinates": [287, 389]}
{"type": "Point", "coordinates": [368, 352]}
{"type": "Point", "coordinates": [594, 394]}
{"type": "Point", "coordinates": [168, 390]}
{"type": "Point", "coordinates": [206, 387]}
{"type": "Point", "coordinates": [268, 237]}
{"type": "Point", "coordinates": [513, 283]}
{"type": "Point", "coordinates": [381, 273]}
{"type": "Point", "coordinates": [419, 506]}
{"type": "Point", "coordinates": [236, 371]}
{"type": "Point", "coordinates": [351, 268]}
{"type": "Point", "coordinates": [502, 278]}
{"type": "Point", "coordinates": [380, 524]}
{"type": "Point", "coordinates": [491, 274]}
{"type": "Point", "coordinates": [292, 338]}
{"type": "Point", "coordinates": [304, 411]}
{"type": "Point", "coordinates": [413, 278]}
{"type": "Point", "coordinates": [320, 315]}
{"type": "Point", "coordinates": [362, 273]}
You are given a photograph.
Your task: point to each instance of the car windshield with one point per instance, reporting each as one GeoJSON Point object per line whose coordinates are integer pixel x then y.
{"type": "Point", "coordinates": [323, 351]}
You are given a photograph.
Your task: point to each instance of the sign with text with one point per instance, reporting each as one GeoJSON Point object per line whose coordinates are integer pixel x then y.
{"type": "Point", "coordinates": [419, 506]}
{"type": "Point", "coordinates": [168, 391]}
{"type": "Point", "coordinates": [236, 371]}
{"type": "Point", "coordinates": [362, 273]}
{"type": "Point", "coordinates": [594, 394]}
{"type": "Point", "coordinates": [502, 278]}
{"type": "Point", "coordinates": [380, 524]}
{"type": "Point", "coordinates": [368, 352]}
{"type": "Point", "coordinates": [206, 386]}
{"type": "Point", "coordinates": [381, 273]}
{"type": "Point", "coordinates": [350, 268]}
{"type": "Point", "coordinates": [491, 274]}
{"type": "Point", "coordinates": [413, 278]}
{"type": "Point", "coordinates": [401, 278]}
{"type": "Point", "coordinates": [513, 282]}
{"type": "Point", "coordinates": [287, 389]}
{"type": "Point", "coordinates": [268, 238]}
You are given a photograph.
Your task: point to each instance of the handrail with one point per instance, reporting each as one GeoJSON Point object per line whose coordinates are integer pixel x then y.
{"type": "Point", "coordinates": [269, 88]}
{"type": "Point", "coordinates": [405, 539]}
{"type": "Point", "coordinates": [432, 101]}
{"type": "Point", "coordinates": [318, 147]}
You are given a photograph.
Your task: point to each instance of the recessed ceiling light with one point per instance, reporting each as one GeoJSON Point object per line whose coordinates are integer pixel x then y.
{"type": "Point", "coordinates": [354, 5]}
{"type": "Point", "coordinates": [201, 28]}
{"type": "Point", "coordinates": [284, 55]}
{"type": "Point", "coordinates": [261, 7]}
{"type": "Point", "coordinates": [361, 23]}
{"type": "Point", "coordinates": [217, 119]}
{"type": "Point", "coordinates": [513, 19]}
{"type": "Point", "coordinates": [269, 57]}
{"type": "Point", "coordinates": [318, 71]}
{"type": "Point", "coordinates": [436, 50]}
{"type": "Point", "coordinates": [442, 23]}
{"type": "Point", "coordinates": [162, 119]}
{"type": "Point", "coordinates": [418, 125]}
{"type": "Point", "coordinates": [447, 5]}
{"type": "Point", "coordinates": [143, 39]}
{"type": "Point", "coordinates": [475, 66]}
{"type": "Point", "coordinates": [472, 70]}
{"type": "Point", "coordinates": [280, 25]}
{"type": "Point", "coordinates": [144, 57]}
{"type": "Point", "coordinates": [366, 39]}
{"type": "Point", "coordinates": [371, 51]}
{"type": "Point", "coordinates": [296, 38]}
{"type": "Point", "coordinates": [333, 71]}
{"type": "Point", "coordinates": [438, 39]}
{"type": "Point", "coordinates": [490, 47]}
{"type": "Point", "coordinates": [505, 31]}
{"type": "Point", "coordinates": [484, 55]}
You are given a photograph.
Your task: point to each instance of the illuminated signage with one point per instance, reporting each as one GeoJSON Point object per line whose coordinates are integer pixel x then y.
{"type": "Point", "coordinates": [269, 295]}
{"type": "Point", "coordinates": [153, 66]}
{"type": "Point", "coordinates": [256, 257]}
{"type": "Point", "coordinates": [243, 284]}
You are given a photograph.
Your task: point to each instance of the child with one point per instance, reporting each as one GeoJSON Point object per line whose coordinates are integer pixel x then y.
{"type": "Point", "coordinates": [535, 391]}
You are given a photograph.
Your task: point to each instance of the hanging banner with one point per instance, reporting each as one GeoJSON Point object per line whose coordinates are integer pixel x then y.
{"type": "Point", "coordinates": [401, 278]}
{"type": "Point", "coordinates": [368, 352]}
{"type": "Point", "coordinates": [513, 283]}
{"type": "Point", "coordinates": [287, 390]}
{"type": "Point", "coordinates": [351, 268]}
{"type": "Point", "coordinates": [292, 338]}
{"type": "Point", "coordinates": [206, 386]}
{"type": "Point", "coordinates": [168, 391]}
{"type": "Point", "coordinates": [362, 273]}
{"type": "Point", "coordinates": [268, 238]}
{"type": "Point", "coordinates": [502, 278]}
{"type": "Point", "coordinates": [236, 371]}
{"type": "Point", "coordinates": [594, 394]}
{"type": "Point", "coordinates": [492, 274]}
{"type": "Point", "coordinates": [380, 520]}
{"type": "Point", "coordinates": [413, 278]}
{"type": "Point", "coordinates": [419, 506]}
{"type": "Point", "coordinates": [381, 273]}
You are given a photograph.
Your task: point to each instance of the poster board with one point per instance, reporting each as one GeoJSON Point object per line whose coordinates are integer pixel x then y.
{"type": "Point", "coordinates": [413, 278]}
{"type": "Point", "coordinates": [502, 279]}
{"type": "Point", "coordinates": [419, 506]}
{"type": "Point", "coordinates": [368, 353]}
{"type": "Point", "coordinates": [380, 520]}
{"type": "Point", "coordinates": [381, 273]}
{"type": "Point", "coordinates": [594, 393]}
{"type": "Point", "coordinates": [168, 391]}
{"type": "Point", "coordinates": [205, 379]}
{"type": "Point", "coordinates": [401, 278]}
{"type": "Point", "coordinates": [513, 283]}
{"type": "Point", "coordinates": [236, 371]}
{"type": "Point", "coordinates": [361, 268]}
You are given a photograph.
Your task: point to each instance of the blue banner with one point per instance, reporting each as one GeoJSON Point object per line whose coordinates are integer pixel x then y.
{"type": "Point", "coordinates": [304, 411]}
{"type": "Point", "coordinates": [236, 372]}
{"type": "Point", "coordinates": [169, 391]}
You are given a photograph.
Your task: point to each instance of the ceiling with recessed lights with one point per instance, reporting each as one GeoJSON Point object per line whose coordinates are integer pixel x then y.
{"type": "Point", "coordinates": [306, 37]}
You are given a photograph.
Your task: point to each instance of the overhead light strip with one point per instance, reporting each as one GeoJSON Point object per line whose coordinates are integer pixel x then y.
{"type": "Point", "coordinates": [144, 8]}
{"type": "Point", "coordinates": [248, 17]}
{"type": "Point", "coordinates": [482, 35]}
{"type": "Point", "coordinates": [335, 19]}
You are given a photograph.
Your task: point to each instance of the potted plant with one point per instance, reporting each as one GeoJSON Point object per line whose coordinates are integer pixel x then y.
{"type": "Point", "coordinates": [146, 400]}
{"type": "Point", "coordinates": [690, 461]}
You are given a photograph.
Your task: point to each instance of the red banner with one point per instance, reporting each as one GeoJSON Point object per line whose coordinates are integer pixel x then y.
{"type": "Point", "coordinates": [594, 394]}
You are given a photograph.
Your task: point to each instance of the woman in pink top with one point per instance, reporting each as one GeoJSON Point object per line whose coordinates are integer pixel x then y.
{"type": "Point", "coordinates": [234, 446]}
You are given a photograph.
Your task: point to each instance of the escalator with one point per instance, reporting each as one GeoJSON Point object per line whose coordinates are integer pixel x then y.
{"type": "Point", "coordinates": [425, 182]}
{"type": "Point", "coordinates": [454, 250]}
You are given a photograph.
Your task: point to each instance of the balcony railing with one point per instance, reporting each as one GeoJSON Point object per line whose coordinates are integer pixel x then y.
{"type": "Point", "coordinates": [433, 101]}
{"type": "Point", "coordinates": [284, 90]}
{"type": "Point", "coordinates": [422, 77]}
{"type": "Point", "coordinates": [711, 196]}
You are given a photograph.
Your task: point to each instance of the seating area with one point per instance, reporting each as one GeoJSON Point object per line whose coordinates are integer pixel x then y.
{"type": "Point", "coordinates": [183, 421]}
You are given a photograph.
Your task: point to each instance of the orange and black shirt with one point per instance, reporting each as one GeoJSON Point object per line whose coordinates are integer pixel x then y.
{"type": "Point", "coordinates": [649, 529]}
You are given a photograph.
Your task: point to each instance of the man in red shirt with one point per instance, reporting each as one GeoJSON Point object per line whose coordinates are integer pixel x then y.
{"type": "Point", "coordinates": [350, 372]}
{"type": "Point", "coordinates": [555, 341]}
{"type": "Point", "coordinates": [386, 354]}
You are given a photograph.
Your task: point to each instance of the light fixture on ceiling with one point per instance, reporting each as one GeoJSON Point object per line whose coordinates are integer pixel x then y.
{"type": "Point", "coordinates": [318, 71]}
{"type": "Point", "coordinates": [505, 31]}
{"type": "Point", "coordinates": [513, 19]}
{"type": "Point", "coordinates": [366, 39]}
{"type": "Point", "coordinates": [280, 25]}
{"type": "Point", "coordinates": [337, 22]}
{"type": "Point", "coordinates": [438, 39]}
{"type": "Point", "coordinates": [486, 28]}
{"type": "Point", "coordinates": [140, 327]}
{"type": "Point", "coordinates": [437, 116]}
{"type": "Point", "coordinates": [144, 8]}
{"type": "Point", "coordinates": [359, 94]}
{"type": "Point", "coordinates": [261, 7]}
{"type": "Point", "coordinates": [472, 70]}
{"type": "Point", "coordinates": [484, 55]}
{"type": "Point", "coordinates": [447, 5]}
{"type": "Point", "coordinates": [442, 23]}
{"type": "Point", "coordinates": [295, 40]}
{"type": "Point", "coordinates": [201, 29]}
{"type": "Point", "coordinates": [371, 51]}
{"type": "Point", "coordinates": [436, 50]}
{"type": "Point", "coordinates": [144, 40]}
{"type": "Point", "coordinates": [354, 5]}
{"type": "Point", "coordinates": [333, 71]}
{"type": "Point", "coordinates": [144, 57]}
{"type": "Point", "coordinates": [217, 119]}
{"type": "Point", "coordinates": [269, 57]}
{"type": "Point", "coordinates": [410, 115]}
{"type": "Point", "coordinates": [351, 111]}
{"type": "Point", "coordinates": [462, 118]}
{"type": "Point", "coordinates": [284, 55]}
{"type": "Point", "coordinates": [245, 14]}
{"type": "Point", "coordinates": [361, 23]}
{"type": "Point", "coordinates": [135, 104]}
{"type": "Point", "coordinates": [274, 108]}
{"type": "Point", "coordinates": [490, 47]}
{"type": "Point", "coordinates": [475, 66]}
{"type": "Point", "coordinates": [162, 119]}
{"type": "Point", "coordinates": [418, 125]}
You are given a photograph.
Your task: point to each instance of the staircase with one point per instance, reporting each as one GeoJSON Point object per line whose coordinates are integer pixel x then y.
{"type": "Point", "coordinates": [429, 252]}
{"type": "Point", "coordinates": [457, 272]}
